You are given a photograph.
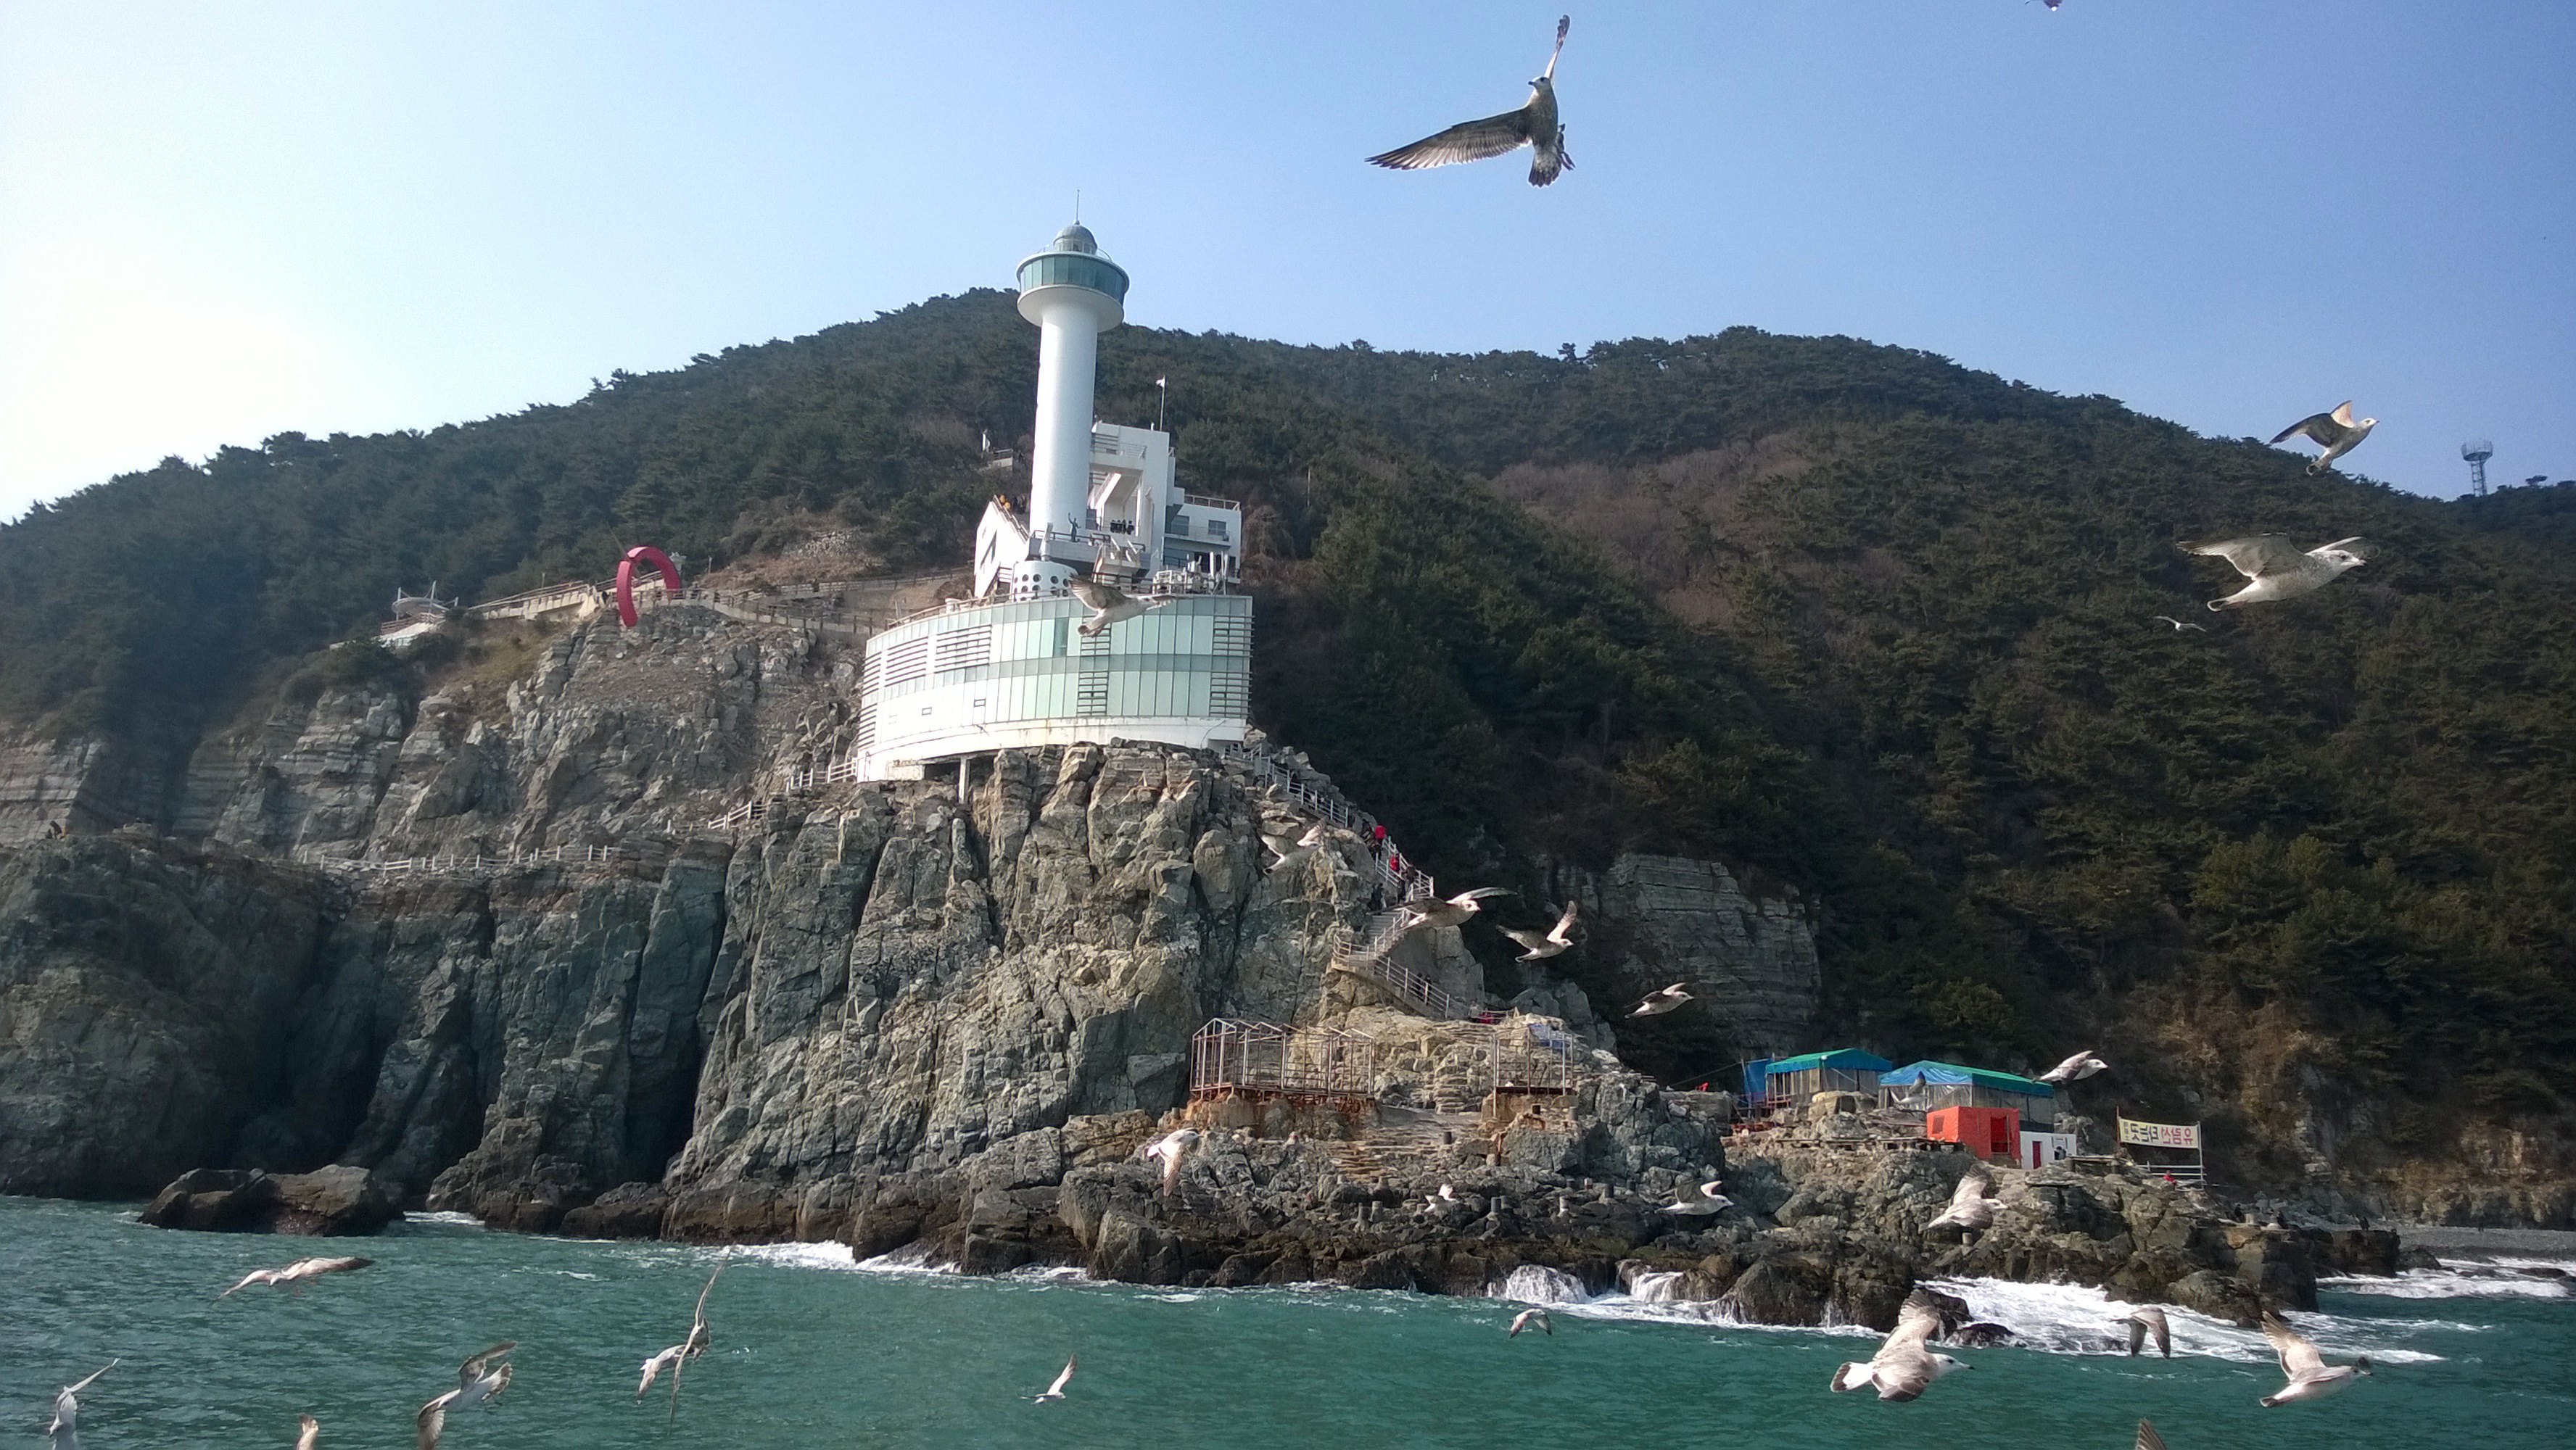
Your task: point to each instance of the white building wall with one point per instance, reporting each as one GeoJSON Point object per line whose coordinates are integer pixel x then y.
{"type": "Point", "coordinates": [1019, 673]}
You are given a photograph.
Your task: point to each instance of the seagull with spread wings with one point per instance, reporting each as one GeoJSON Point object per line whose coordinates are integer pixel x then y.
{"type": "Point", "coordinates": [1663, 1000]}
{"type": "Point", "coordinates": [2145, 1321]}
{"type": "Point", "coordinates": [294, 1276]}
{"type": "Point", "coordinates": [2074, 1069]}
{"type": "Point", "coordinates": [2178, 625]}
{"type": "Point", "coordinates": [1533, 125]}
{"type": "Point", "coordinates": [1531, 1319]}
{"type": "Point", "coordinates": [1972, 1203]}
{"type": "Point", "coordinates": [1539, 946]}
{"type": "Point", "coordinates": [678, 1355]}
{"type": "Point", "coordinates": [1055, 1391]}
{"type": "Point", "coordinates": [1699, 1200]}
{"type": "Point", "coordinates": [66, 1426]}
{"type": "Point", "coordinates": [308, 1432]}
{"type": "Point", "coordinates": [2277, 568]}
{"type": "Point", "coordinates": [2309, 1376]}
{"type": "Point", "coordinates": [1452, 912]}
{"type": "Point", "coordinates": [1108, 603]}
{"type": "Point", "coordinates": [1903, 1368]}
{"type": "Point", "coordinates": [479, 1381]}
{"type": "Point", "coordinates": [2335, 432]}
{"type": "Point", "coordinates": [1172, 1148]}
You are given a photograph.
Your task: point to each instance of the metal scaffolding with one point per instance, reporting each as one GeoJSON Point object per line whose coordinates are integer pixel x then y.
{"type": "Point", "coordinates": [1229, 1057]}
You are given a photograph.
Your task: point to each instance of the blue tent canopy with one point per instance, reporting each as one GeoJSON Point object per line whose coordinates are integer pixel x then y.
{"type": "Point", "coordinates": [1951, 1074]}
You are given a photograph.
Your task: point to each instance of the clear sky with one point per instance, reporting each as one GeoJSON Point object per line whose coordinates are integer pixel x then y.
{"type": "Point", "coordinates": [223, 220]}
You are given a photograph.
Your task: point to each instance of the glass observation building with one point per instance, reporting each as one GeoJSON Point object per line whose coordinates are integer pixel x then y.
{"type": "Point", "coordinates": [1013, 666]}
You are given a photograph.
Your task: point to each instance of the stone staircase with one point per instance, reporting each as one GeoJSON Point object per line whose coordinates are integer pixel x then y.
{"type": "Point", "coordinates": [1409, 1141]}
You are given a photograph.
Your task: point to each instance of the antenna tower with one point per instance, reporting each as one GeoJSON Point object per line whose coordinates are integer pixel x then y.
{"type": "Point", "coordinates": [2477, 451]}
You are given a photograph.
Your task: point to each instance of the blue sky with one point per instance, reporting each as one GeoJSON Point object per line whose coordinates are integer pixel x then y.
{"type": "Point", "coordinates": [219, 221]}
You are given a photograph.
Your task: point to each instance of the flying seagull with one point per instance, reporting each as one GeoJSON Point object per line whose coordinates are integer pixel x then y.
{"type": "Point", "coordinates": [1109, 604]}
{"type": "Point", "coordinates": [1315, 836]}
{"type": "Point", "coordinates": [1670, 999]}
{"type": "Point", "coordinates": [66, 1426]}
{"type": "Point", "coordinates": [2146, 1321]}
{"type": "Point", "coordinates": [2278, 569]}
{"type": "Point", "coordinates": [1538, 946]}
{"type": "Point", "coordinates": [1534, 125]}
{"type": "Point", "coordinates": [678, 1355]}
{"type": "Point", "coordinates": [1453, 912]}
{"type": "Point", "coordinates": [1172, 1147]}
{"type": "Point", "coordinates": [2305, 1369]}
{"type": "Point", "coordinates": [1972, 1205]}
{"type": "Point", "coordinates": [2335, 432]}
{"type": "Point", "coordinates": [479, 1381]}
{"type": "Point", "coordinates": [1531, 1319]}
{"type": "Point", "coordinates": [1699, 1200]}
{"type": "Point", "coordinates": [1056, 1391]}
{"type": "Point", "coordinates": [1902, 1369]}
{"type": "Point", "coordinates": [2148, 1439]}
{"type": "Point", "coordinates": [308, 1432]}
{"type": "Point", "coordinates": [2074, 1069]}
{"type": "Point", "coordinates": [2180, 626]}
{"type": "Point", "coordinates": [294, 1275]}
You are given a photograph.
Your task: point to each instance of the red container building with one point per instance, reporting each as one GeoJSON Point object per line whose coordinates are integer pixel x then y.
{"type": "Point", "coordinates": [1993, 1134]}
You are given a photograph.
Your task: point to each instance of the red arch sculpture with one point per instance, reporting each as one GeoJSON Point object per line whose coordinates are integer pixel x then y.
{"type": "Point", "coordinates": [642, 554]}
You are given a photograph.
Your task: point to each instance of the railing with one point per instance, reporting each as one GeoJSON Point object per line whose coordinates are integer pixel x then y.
{"type": "Point", "coordinates": [1402, 880]}
{"type": "Point", "coordinates": [1363, 953]}
{"type": "Point", "coordinates": [475, 865]}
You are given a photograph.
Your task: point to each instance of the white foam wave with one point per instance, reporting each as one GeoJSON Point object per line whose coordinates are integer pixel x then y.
{"type": "Point", "coordinates": [2459, 1279]}
{"type": "Point", "coordinates": [2074, 1319]}
{"type": "Point", "coordinates": [1534, 1284]}
{"type": "Point", "coordinates": [444, 1219]}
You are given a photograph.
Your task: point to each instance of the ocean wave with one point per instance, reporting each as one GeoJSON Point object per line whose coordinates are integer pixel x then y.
{"type": "Point", "coordinates": [2458, 1279]}
{"type": "Point", "coordinates": [443, 1219]}
{"type": "Point", "coordinates": [2074, 1319]}
{"type": "Point", "coordinates": [1534, 1284]}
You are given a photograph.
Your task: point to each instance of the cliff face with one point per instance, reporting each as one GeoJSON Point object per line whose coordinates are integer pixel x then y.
{"type": "Point", "coordinates": [862, 996]}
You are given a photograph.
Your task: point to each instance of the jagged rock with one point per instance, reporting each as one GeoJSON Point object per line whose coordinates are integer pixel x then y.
{"type": "Point", "coordinates": [628, 1211]}
{"type": "Point", "coordinates": [334, 1201]}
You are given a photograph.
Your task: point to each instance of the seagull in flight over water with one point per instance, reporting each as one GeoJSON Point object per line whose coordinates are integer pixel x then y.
{"type": "Point", "coordinates": [1056, 1391]}
{"type": "Point", "coordinates": [66, 1426]}
{"type": "Point", "coordinates": [2179, 625]}
{"type": "Point", "coordinates": [2145, 1321]}
{"type": "Point", "coordinates": [1972, 1204]}
{"type": "Point", "coordinates": [294, 1275]}
{"type": "Point", "coordinates": [1902, 1369]}
{"type": "Point", "coordinates": [1531, 1319]}
{"type": "Point", "coordinates": [2277, 568]}
{"type": "Point", "coordinates": [2306, 1370]}
{"type": "Point", "coordinates": [678, 1355]}
{"type": "Point", "coordinates": [1534, 125]}
{"type": "Point", "coordinates": [308, 1432]}
{"type": "Point", "coordinates": [2336, 432]}
{"type": "Point", "coordinates": [479, 1381]}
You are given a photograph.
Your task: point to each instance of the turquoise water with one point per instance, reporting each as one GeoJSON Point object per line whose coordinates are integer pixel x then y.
{"type": "Point", "coordinates": [811, 1350]}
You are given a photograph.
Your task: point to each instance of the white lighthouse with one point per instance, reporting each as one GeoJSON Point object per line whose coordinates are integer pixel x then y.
{"type": "Point", "coordinates": [1014, 665]}
{"type": "Point", "coordinates": [1073, 294]}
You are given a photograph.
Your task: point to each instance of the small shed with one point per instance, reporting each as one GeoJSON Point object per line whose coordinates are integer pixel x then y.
{"type": "Point", "coordinates": [1844, 1069]}
{"type": "Point", "coordinates": [1928, 1085]}
{"type": "Point", "coordinates": [1993, 1134]}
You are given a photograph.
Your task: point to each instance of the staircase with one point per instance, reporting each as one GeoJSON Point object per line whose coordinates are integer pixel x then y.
{"type": "Point", "coordinates": [1408, 1144]}
{"type": "Point", "coordinates": [1364, 953]}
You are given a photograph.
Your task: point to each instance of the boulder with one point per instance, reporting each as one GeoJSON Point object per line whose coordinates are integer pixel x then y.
{"type": "Point", "coordinates": [628, 1211]}
{"type": "Point", "coordinates": [328, 1202]}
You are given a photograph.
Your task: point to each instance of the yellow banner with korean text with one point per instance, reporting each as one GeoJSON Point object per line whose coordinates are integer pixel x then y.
{"type": "Point", "coordinates": [2160, 1135]}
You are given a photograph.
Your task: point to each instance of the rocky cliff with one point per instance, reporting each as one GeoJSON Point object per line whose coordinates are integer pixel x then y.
{"type": "Point", "coordinates": [476, 935]}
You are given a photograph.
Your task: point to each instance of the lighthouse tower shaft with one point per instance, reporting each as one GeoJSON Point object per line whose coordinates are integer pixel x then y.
{"type": "Point", "coordinates": [1073, 294]}
{"type": "Point", "coordinates": [1068, 364]}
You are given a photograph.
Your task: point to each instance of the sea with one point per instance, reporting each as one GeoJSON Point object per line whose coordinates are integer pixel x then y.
{"type": "Point", "coordinates": [812, 1348]}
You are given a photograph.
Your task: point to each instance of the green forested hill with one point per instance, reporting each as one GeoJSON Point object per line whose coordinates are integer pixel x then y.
{"type": "Point", "coordinates": [1850, 616]}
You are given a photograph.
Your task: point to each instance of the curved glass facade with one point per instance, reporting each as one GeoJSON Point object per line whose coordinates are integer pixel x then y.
{"type": "Point", "coordinates": [1023, 673]}
{"type": "Point", "coordinates": [1073, 269]}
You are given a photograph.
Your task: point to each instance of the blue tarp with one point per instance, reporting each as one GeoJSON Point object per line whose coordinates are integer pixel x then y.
{"type": "Point", "coordinates": [1756, 1074]}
